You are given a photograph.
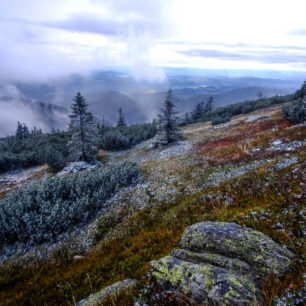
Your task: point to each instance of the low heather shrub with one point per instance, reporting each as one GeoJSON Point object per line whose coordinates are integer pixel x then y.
{"type": "Point", "coordinates": [38, 213]}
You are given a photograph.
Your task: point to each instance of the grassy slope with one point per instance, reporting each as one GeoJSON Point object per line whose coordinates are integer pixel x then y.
{"type": "Point", "coordinates": [230, 174]}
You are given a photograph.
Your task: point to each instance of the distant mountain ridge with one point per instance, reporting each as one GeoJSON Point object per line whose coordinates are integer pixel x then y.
{"type": "Point", "coordinates": [46, 105]}
{"type": "Point", "coordinates": [105, 105]}
{"type": "Point", "coordinates": [143, 106]}
{"type": "Point", "coordinates": [239, 95]}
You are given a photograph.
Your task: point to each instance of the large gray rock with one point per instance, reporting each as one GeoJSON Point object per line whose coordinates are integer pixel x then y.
{"type": "Point", "coordinates": [112, 290]}
{"type": "Point", "coordinates": [222, 264]}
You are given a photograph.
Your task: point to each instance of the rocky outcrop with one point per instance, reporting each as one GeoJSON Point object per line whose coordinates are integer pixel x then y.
{"type": "Point", "coordinates": [112, 290]}
{"type": "Point", "coordinates": [222, 264]}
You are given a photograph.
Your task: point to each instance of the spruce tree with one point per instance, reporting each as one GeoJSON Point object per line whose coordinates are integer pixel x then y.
{"type": "Point", "coordinates": [198, 112]}
{"type": "Point", "coordinates": [209, 105]}
{"type": "Point", "coordinates": [167, 129]}
{"type": "Point", "coordinates": [300, 93]}
{"type": "Point", "coordinates": [83, 130]}
{"type": "Point", "coordinates": [19, 131]}
{"type": "Point", "coordinates": [22, 131]}
{"type": "Point", "coordinates": [121, 120]}
{"type": "Point", "coordinates": [25, 130]}
{"type": "Point", "coordinates": [187, 119]}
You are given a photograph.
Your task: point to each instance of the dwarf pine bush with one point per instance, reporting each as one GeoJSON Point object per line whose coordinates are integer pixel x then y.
{"type": "Point", "coordinates": [34, 149]}
{"type": "Point", "coordinates": [125, 137]}
{"type": "Point", "coordinates": [296, 111]}
{"type": "Point", "coordinates": [38, 213]}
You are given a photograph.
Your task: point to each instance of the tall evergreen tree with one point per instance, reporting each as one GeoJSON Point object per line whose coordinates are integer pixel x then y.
{"type": "Point", "coordinates": [121, 120]}
{"type": "Point", "coordinates": [187, 119]}
{"type": "Point", "coordinates": [209, 105]}
{"type": "Point", "coordinates": [19, 131]}
{"type": "Point", "coordinates": [26, 131]}
{"type": "Point", "coordinates": [300, 93]}
{"type": "Point", "coordinates": [167, 130]}
{"type": "Point", "coordinates": [84, 131]}
{"type": "Point", "coordinates": [22, 131]}
{"type": "Point", "coordinates": [36, 131]}
{"type": "Point", "coordinates": [197, 112]}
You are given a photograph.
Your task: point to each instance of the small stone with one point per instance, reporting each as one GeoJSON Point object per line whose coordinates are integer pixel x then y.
{"type": "Point", "coordinates": [78, 257]}
{"type": "Point", "coordinates": [112, 290]}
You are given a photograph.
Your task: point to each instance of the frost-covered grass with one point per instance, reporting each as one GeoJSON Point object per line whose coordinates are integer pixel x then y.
{"type": "Point", "coordinates": [17, 178]}
{"type": "Point", "coordinates": [40, 212]}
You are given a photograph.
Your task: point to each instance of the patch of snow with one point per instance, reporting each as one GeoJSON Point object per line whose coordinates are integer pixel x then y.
{"type": "Point", "coordinates": [285, 163]}
{"type": "Point", "coordinates": [296, 125]}
{"type": "Point", "coordinates": [276, 142]}
{"type": "Point", "coordinates": [78, 166]}
{"type": "Point", "coordinates": [179, 148]}
{"type": "Point", "coordinates": [278, 145]}
{"type": "Point", "coordinates": [255, 118]}
{"type": "Point", "coordinates": [223, 174]}
{"type": "Point", "coordinates": [16, 178]}
{"type": "Point", "coordinates": [226, 125]}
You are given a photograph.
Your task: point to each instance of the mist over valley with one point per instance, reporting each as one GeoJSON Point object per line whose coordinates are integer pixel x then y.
{"type": "Point", "coordinates": [46, 105]}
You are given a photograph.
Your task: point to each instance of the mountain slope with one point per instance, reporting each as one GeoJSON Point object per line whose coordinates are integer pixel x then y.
{"type": "Point", "coordinates": [248, 171]}
{"type": "Point", "coordinates": [106, 105]}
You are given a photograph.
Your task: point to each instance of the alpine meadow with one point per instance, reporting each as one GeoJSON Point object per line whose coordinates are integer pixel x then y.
{"type": "Point", "coordinates": [152, 153]}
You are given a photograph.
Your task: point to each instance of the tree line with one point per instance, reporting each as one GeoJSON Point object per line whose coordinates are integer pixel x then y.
{"type": "Point", "coordinates": [86, 135]}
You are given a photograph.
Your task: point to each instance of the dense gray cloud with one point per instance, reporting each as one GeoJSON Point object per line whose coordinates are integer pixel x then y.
{"type": "Point", "coordinates": [262, 57]}
{"type": "Point", "coordinates": [301, 32]}
{"type": "Point", "coordinates": [121, 18]}
{"type": "Point", "coordinates": [93, 23]}
{"type": "Point", "coordinates": [217, 45]}
{"type": "Point", "coordinates": [54, 39]}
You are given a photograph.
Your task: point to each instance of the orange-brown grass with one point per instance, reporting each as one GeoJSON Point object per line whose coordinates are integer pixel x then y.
{"type": "Point", "coordinates": [256, 127]}
{"type": "Point", "coordinates": [274, 287]}
{"type": "Point", "coordinates": [242, 133]}
{"type": "Point", "coordinates": [4, 193]}
{"type": "Point", "coordinates": [236, 147]}
{"type": "Point", "coordinates": [212, 144]}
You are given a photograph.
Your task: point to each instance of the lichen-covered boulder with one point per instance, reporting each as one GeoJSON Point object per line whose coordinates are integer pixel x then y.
{"type": "Point", "coordinates": [261, 252]}
{"type": "Point", "coordinates": [112, 290]}
{"type": "Point", "coordinates": [222, 264]}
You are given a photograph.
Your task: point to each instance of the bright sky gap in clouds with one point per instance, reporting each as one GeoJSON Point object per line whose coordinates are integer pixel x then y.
{"type": "Point", "coordinates": [51, 38]}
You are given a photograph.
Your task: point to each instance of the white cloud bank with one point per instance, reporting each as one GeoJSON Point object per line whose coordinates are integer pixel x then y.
{"type": "Point", "coordinates": [51, 38]}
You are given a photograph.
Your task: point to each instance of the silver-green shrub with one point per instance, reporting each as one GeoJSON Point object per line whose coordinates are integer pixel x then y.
{"type": "Point", "coordinates": [38, 213]}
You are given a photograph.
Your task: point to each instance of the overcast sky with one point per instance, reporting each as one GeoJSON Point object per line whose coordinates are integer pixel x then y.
{"type": "Point", "coordinates": [42, 39]}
